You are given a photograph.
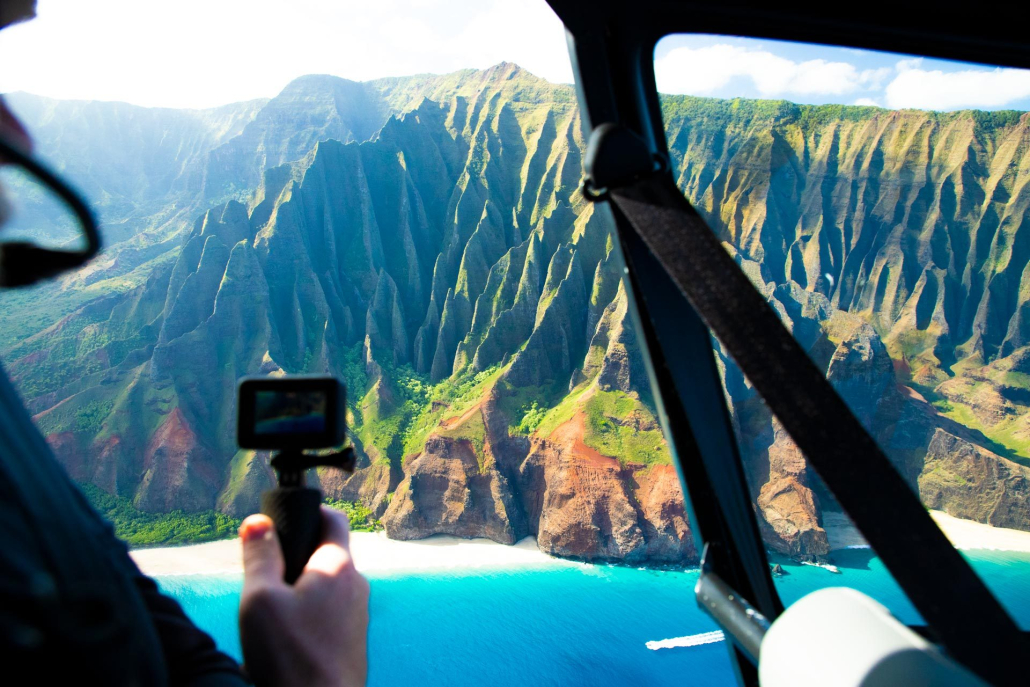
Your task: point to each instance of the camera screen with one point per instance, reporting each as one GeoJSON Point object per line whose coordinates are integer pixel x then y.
{"type": "Point", "coordinates": [300, 412]}
{"type": "Point", "coordinates": [289, 412]}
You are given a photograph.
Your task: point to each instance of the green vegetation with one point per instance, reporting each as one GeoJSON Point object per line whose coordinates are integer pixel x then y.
{"type": "Point", "coordinates": [382, 428]}
{"type": "Point", "coordinates": [1006, 438]}
{"type": "Point", "coordinates": [353, 373]}
{"type": "Point", "coordinates": [432, 404]}
{"type": "Point", "coordinates": [531, 419]}
{"type": "Point", "coordinates": [997, 119]}
{"type": "Point", "coordinates": [90, 417]}
{"type": "Point", "coordinates": [676, 109]}
{"type": "Point", "coordinates": [619, 425]}
{"type": "Point", "coordinates": [949, 476]}
{"type": "Point", "coordinates": [141, 529]}
{"type": "Point", "coordinates": [472, 430]}
{"type": "Point", "coordinates": [361, 518]}
{"type": "Point", "coordinates": [396, 415]}
{"type": "Point", "coordinates": [526, 407]}
{"type": "Point", "coordinates": [559, 414]}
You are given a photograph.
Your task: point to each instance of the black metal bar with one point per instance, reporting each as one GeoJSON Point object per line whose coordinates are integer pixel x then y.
{"type": "Point", "coordinates": [614, 80]}
{"type": "Point", "coordinates": [697, 418]}
{"type": "Point", "coordinates": [714, 508]}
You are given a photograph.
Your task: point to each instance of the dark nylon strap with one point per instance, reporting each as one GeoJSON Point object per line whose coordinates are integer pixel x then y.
{"type": "Point", "coordinates": [963, 615]}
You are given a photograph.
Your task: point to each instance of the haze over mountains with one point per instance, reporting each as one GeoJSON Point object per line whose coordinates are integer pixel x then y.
{"type": "Point", "coordinates": [422, 238]}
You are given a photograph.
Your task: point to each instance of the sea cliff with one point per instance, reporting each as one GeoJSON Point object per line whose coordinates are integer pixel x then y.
{"type": "Point", "coordinates": [423, 239]}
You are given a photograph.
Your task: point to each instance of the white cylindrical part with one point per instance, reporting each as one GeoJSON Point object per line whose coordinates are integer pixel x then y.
{"type": "Point", "coordinates": [841, 637]}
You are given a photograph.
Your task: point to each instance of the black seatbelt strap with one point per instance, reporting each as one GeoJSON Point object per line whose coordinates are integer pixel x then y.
{"type": "Point", "coordinates": [964, 616]}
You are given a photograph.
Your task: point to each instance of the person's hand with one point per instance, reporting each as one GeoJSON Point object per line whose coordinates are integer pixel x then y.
{"type": "Point", "coordinates": [315, 632]}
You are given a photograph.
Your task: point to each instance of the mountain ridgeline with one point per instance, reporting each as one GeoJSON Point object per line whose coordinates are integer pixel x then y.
{"type": "Point", "coordinates": [423, 239]}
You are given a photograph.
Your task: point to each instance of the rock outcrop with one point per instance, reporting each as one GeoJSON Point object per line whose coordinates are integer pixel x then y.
{"type": "Point", "coordinates": [587, 506]}
{"type": "Point", "coordinates": [579, 503]}
{"type": "Point", "coordinates": [790, 516]}
{"type": "Point", "coordinates": [450, 489]}
{"type": "Point", "coordinates": [968, 481]}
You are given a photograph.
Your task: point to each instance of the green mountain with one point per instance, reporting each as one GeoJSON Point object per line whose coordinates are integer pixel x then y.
{"type": "Point", "coordinates": [422, 238]}
{"type": "Point", "coordinates": [891, 242]}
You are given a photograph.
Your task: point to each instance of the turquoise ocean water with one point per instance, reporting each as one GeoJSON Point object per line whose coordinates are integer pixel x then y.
{"type": "Point", "coordinates": [566, 624]}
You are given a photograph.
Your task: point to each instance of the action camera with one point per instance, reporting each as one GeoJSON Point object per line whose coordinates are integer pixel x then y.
{"type": "Point", "coordinates": [293, 413]}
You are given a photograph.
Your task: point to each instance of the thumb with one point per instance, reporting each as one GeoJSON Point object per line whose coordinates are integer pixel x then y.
{"type": "Point", "coordinates": [335, 527]}
{"type": "Point", "coordinates": [262, 557]}
{"type": "Point", "coordinates": [333, 555]}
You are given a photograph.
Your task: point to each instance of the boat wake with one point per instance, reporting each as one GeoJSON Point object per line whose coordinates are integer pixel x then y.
{"type": "Point", "coordinates": [825, 566]}
{"type": "Point", "coordinates": [689, 640]}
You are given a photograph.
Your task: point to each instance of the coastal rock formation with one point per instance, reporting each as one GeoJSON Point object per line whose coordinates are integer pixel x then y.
{"type": "Point", "coordinates": [579, 504]}
{"type": "Point", "coordinates": [790, 517]}
{"type": "Point", "coordinates": [590, 507]}
{"type": "Point", "coordinates": [968, 481]}
{"type": "Point", "coordinates": [422, 239]}
{"type": "Point", "coordinates": [450, 489]}
{"type": "Point", "coordinates": [371, 484]}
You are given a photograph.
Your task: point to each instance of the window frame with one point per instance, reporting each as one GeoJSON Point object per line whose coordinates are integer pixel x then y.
{"type": "Point", "coordinates": [611, 47]}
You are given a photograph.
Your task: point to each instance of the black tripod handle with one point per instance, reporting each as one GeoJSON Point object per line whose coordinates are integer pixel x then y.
{"type": "Point", "coordinates": [298, 522]}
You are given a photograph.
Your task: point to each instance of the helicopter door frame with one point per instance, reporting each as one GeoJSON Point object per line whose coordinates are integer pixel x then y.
{"type": "Point", "coordinates": [611, 45]}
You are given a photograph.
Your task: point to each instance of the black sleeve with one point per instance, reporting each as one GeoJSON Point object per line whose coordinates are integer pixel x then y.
{"type": "Point", "coordinates": [50, 532]}
{"type": "Point", "coordinates": [190, 653]}
{"type": "Point", "coordinates": [191, 657]}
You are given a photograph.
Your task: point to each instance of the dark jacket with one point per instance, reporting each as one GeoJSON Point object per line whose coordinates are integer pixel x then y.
{"type": "Point", "coordinates": [73, 605]}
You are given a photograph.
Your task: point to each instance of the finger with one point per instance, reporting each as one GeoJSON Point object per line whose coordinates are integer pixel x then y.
{"type": "Point", "coordinates": [262, 557]}
{"type": "Point", "coordinates": [333, 555]}
{"type": "Point", "coordinates": [335, 527]}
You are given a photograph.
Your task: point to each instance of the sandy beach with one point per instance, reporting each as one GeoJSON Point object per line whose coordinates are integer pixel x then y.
{"type": "Point", "coordinates": [373, 553]}
{"type": "Point", "coordinates": [966, 535]}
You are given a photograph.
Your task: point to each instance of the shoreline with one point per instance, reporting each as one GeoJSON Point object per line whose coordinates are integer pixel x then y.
{"type": "Point", "coordinates": [376, 554]}
{"type": "Point", "coordinates": [373, 553]}
{"type": "Point", "coordinates": [965, 535]}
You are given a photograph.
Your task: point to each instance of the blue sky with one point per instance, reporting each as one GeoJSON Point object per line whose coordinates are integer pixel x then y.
{"type": "Point", "coordinates": [202, 53]}
{"type": "Point", "coordinates": [727, 67]}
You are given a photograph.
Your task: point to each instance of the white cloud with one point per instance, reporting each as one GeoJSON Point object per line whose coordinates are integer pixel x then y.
{"type": "Point", "coordinates": [907, 64]}
{"type": "Point", "coordinates": [705, 70]}
{"type": "Point", "coordinates": [200, 53]}
{"type": "Point", "coordinates": [867, 102]}
{"type": "Point", "coordinates": [914, 87]}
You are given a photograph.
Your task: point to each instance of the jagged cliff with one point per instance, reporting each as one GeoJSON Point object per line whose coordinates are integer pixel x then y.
{"type": "Point", "coordinates": [443, 265]}
{"type": "Point", "coordinates": [904, 229]}
{"type": "Point", "coordinates": [912, 219]}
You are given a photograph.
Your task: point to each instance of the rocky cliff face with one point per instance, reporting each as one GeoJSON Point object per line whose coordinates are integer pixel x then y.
{"type": "Point", "coordinates": [450, 274]}
{"type": "Point", "coordinates": [885, 240]}
{"type": "Point", "coordinates": [912, 219]}
{"type": "Point", "coordinates": [970, 482]}
{"type": "Point", "coordinates": [578, 502]}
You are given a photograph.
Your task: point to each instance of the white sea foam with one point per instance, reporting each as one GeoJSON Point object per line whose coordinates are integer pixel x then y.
{"type": "Point", "coordinates": [689, 640]}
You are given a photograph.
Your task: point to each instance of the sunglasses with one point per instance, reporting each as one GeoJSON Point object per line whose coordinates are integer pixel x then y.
{"type": "Point", "coordinates": [23, 263]}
